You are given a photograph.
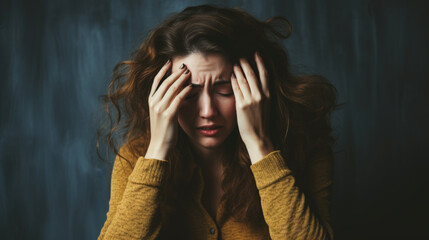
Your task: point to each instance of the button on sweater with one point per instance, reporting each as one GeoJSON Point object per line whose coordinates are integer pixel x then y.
{"type": "Point", "coordinates": [135, 190]}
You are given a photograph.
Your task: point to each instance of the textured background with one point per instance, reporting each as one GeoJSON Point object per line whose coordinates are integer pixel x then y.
{"type": "Point", "coordinates": [57, 58]}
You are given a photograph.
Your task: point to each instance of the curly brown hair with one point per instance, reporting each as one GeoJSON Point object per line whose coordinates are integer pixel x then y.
{"type": "Point", "coordinates": [301, 105]}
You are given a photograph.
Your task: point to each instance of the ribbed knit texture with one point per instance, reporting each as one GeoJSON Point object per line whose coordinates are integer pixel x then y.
{"type": "Point", "coordinates": [134, 212]}
{"type": "Point", "coordinates": [154, 170]}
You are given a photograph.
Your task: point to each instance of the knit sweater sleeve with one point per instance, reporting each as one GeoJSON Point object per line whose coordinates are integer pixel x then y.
{"type": "Point", "coordinates": [133, 207]}
{"type": "Point", "coordinates": [285, 207]}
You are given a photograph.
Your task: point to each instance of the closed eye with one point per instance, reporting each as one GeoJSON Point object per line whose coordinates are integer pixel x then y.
{"type": "Point", "coordinates": [190, 96]}
{"type": "Point", "coordinates": [222, 88]}
{"type": "Point", "coordinates": [193, 93]}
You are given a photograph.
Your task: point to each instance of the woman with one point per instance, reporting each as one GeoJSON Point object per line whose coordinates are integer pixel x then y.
{"type": "Point", "coordinates": [222, 141]}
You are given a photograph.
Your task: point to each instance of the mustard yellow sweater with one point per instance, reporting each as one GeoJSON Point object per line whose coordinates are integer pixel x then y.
{"type": "Point", "coordinates": [135, 190]}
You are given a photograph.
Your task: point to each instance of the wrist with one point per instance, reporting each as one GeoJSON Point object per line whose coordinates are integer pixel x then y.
{"type": "Point", "coordinates": [156, 153]}
{"type": "Point", "coordinates": [258, 149]}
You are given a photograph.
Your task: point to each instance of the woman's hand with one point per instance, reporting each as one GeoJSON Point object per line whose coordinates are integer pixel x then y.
{"type": "Point", "coordinates": [163, 105]}
{"type": "Point", "coordinates": [252, 97]}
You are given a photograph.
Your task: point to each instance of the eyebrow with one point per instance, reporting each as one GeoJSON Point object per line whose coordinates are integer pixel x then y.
{"type": "Point", "coordinates": [218, 82]}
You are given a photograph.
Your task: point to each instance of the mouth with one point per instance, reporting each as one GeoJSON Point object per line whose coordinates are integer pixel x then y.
{"type": "Point", "coordinates": [209, 130]}
{"type": "Point", "coordinates": [209, 127]}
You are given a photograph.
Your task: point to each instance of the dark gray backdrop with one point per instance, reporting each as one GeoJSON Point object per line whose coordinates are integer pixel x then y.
{"type": "Point", "coordinates": [57, 57]}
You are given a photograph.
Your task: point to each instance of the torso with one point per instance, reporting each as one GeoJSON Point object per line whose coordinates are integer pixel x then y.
{"type": "Point", "coordinates": [211, 197]}
{"type": "Point", "coordinates": [212, 190]}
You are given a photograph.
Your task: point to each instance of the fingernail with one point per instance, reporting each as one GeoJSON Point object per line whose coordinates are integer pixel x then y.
{"type": "Point", "coordinates": [187, 71]}
{"type": "Point", "coordinates": [182, 66]}
{"type": "Point", "coordinates": [168, 61]}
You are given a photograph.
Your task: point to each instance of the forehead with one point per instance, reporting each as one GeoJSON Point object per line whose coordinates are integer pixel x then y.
{"type": "Point", "coordinates": [204, 67]}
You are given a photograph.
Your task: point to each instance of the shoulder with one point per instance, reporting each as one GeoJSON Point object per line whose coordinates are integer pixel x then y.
{"type": "Point", "coordinates": [129, 153]}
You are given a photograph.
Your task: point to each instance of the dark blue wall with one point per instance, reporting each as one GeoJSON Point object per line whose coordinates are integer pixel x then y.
{"type": "Point", "coordinates": [57, 58]}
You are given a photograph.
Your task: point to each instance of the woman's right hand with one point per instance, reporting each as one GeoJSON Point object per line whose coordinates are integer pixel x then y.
{"type": "Point", "coordinates": [163, 105]}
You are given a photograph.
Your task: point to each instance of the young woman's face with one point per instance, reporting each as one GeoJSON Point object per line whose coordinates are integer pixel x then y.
{"type": "Point", "coordinates": [210, 102]}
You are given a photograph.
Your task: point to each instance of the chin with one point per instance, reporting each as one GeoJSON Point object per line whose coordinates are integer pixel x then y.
{"type": "Point", "coordinates": [210, 143]}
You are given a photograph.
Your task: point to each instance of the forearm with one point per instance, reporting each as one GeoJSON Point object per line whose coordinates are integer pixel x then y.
{"type": "Point", "coordinates": [258, 149]}
{"type": "Point", "coordinates": [283, 204]}
{"type": "Point", "coordinates": [138, 214]}
{"type": "Point", "coordinates": [159, 152]}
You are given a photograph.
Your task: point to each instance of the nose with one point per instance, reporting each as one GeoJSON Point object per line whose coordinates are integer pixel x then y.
{"type": "Point", "coordinates": [207, 106]}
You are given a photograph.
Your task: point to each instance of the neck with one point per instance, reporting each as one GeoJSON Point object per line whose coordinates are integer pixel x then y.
{"type": "Point", "coordinates": [210, 158]}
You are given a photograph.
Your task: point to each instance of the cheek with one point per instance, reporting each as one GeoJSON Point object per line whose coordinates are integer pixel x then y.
{"type": "Point", "coordinates": [184, 115]}
{"type": "Point", "coordinates": [228, 108]}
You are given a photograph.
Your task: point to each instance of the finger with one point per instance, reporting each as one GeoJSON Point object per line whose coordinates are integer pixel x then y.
{"type": "Point", "coordinates": [236, 89]}
{"type": "Point", "coordinates": [159, 94]}
{"type": "Point", "coordinates": [263, 75]}
{"type": "Point", "coordinates": [179, 98]}
{"type": "Point", "coordinates": [175, 87]}
{"type": "Point", "coordinates": [242, 83]}
{"type": "Point", "coordinates": [159, 76]}
{"type": "Point", "coordinates": [251, 78]}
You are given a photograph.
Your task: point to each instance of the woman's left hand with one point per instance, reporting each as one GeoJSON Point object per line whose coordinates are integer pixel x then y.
{"type": "Point", "coordinates": [252, 97]}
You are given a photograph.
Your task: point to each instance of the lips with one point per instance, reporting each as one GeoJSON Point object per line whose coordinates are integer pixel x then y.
{"type": "Point", "coordinates": [209, 131]}
{"type": "Point", "coordinates": [209, 127]}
